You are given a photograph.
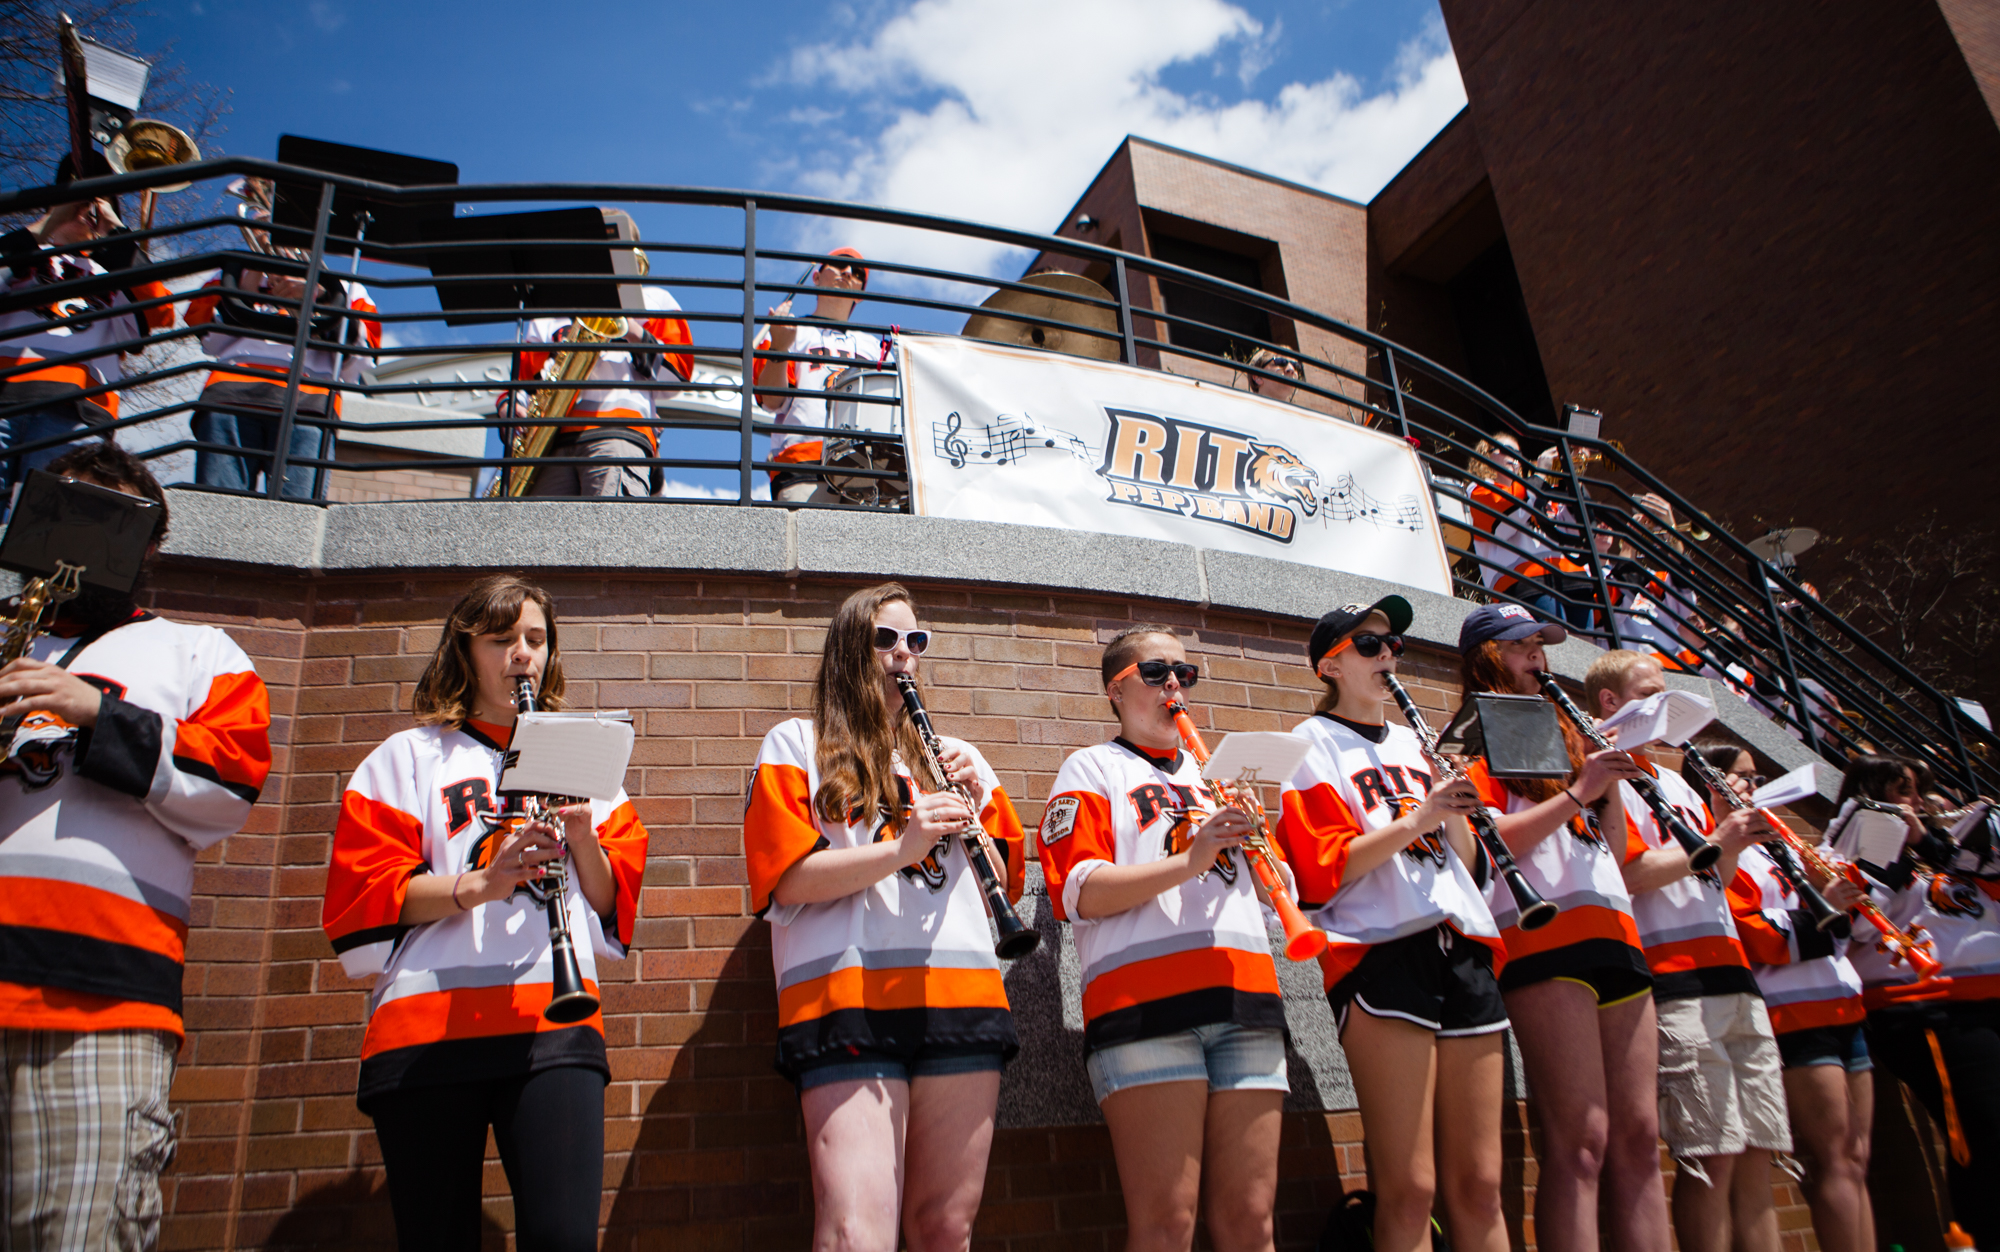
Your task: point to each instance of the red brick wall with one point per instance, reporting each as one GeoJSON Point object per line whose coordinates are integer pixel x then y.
{"type": "Point", "coordinates": [704, 1143]}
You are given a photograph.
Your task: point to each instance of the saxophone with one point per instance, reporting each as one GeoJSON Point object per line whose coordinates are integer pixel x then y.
{"type": "Point", "coordinates": [546, 409]}
{"type": "Point", "coordinates": [38, 598]}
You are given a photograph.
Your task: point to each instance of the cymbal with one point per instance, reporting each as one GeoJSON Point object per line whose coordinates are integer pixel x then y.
{"type": "Point", "coordinates": [1785, 541]}
{"type": "Point", "coordinates": [994, 327]}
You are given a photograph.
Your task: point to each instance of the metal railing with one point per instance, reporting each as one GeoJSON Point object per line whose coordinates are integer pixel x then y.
{"type": "Point", "coordinates": [1571, 539]}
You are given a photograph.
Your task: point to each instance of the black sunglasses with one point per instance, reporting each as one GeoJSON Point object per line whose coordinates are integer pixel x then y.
{"type": "Point", "coordinates": [1154, 673]}
{"type": "Point", "coordinates": [917, 641]}
{"type": "Point", "coordinates": [1370, 646]}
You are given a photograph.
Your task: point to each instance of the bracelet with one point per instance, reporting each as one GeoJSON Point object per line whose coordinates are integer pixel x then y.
{"type": "Point", "coordinates": [454, 891]}
{"type": "Point", "coordinates": [1573, 800]}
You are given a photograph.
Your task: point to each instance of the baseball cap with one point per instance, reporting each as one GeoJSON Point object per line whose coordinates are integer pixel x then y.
{"type": "Point", "coordinates": [1505, 621]}
{"type": "Point", "coordinates": [1334, 624]}
{"type": "Point", "coordinates": [856, 254]}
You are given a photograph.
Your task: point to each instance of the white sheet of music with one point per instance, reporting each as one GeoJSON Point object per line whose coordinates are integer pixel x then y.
{"type": "Point", "coordinates": [1669, 717]}
{"type": "Point", "coordinates": [1272, 756]}
{"type": "Point", "coordinates": [570, 754]}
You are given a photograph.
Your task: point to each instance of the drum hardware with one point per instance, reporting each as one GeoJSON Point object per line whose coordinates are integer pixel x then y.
{"type": "Point", "coordinates": [848, 413]}
{"type": "Point", "coordinates": [1054, 303]}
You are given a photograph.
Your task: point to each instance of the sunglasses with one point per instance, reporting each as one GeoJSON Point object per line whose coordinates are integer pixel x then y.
{"type": "Point", "coordinates": [1370, 646]}
{"type": "Point", "coordinates": [1755, 780]}
{"type": "Point", "coordinates": [1154, 673]}
{"type": "Point", "coordinates": [887, 637]}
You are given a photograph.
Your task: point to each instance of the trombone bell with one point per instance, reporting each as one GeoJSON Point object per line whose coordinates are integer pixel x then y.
{"type": "Point", "coordinates": [148, 144]}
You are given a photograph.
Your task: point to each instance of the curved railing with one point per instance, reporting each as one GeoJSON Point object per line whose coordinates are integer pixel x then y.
{"type": "Point", "coordinates": [1736, 616]}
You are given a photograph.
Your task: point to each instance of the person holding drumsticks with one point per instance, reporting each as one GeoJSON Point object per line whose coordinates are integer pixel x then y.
{"type": "Point", "coordinates": [892, 1019]}
{"type": "Point", "coordinates": [1184, 1025]}
{"type": "Point", "coordinates": [826, 337]}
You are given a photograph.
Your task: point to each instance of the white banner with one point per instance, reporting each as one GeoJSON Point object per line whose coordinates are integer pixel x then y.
{"type": "Point", "coordinates": [1000, 434]}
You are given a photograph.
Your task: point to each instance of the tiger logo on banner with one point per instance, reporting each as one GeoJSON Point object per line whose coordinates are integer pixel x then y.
{"type": "Point", "coordinates": [1208, 474]}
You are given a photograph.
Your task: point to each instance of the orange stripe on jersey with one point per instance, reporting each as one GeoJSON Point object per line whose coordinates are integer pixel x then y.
{"type": "Point", "coordinates": [1178, 973]}
{"type": "Point", "coordinates": [1812, 1014]}
{"type": "Point", "coordinates": [374, 844]}
{"type": "Point", "coordinates": [228, 739]}
{"type": "Point", "coordinates": [804, 450]}
{"type": "Point", "coordinates": [466, 1013]}
{"type": "Point", "coordinates": [1575, 924]}
{"type": "Point", "coordinates": [56, 1008]}
{"type": "Point", "coordinates": [50, 904]}
{"type": "Point", "coordinates": [623, 838]}
{"type": "Point", "coordinates": [674, 330]}
{"type": "Point", "coordinates": [1003, 824]}
{"type": "Point", "coordinates": [777, 829]}
{"type": "Point", "coordinates": [1315, 831]}
{"type": "Point", "coordinates": [242, 372]}
{"type": "Point", "coordinates": [1762, 942]}
{"type": "Point", "coordinates": [68, 375]}
{"type": "Point", "coordinates": [914, 987]}
{"type": "Point", "coordinates": [1089, 838]}
{"type": "Point", "coordinates": [1702, 952]}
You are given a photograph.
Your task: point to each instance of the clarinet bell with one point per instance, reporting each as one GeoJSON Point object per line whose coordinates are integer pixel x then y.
{"type": "Point", "coordinates": [1016, 942]}
{"type": "Point", "coordinates": [1537, 915]}
{"type": "Point", "coordinates": [570, 1001]}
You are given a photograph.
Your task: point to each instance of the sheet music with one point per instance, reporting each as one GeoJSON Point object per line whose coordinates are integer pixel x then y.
{"type": "Point", "coordinates": [1797, 785]}
{"type": "Point", "coordinates": [569, 754]}
{"type": "Point", "coordinates": [1268, 755]}
{"type": "Point", "coordinates": [1672, 717]}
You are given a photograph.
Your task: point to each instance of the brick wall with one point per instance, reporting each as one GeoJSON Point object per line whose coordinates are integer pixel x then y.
{"type": "Point", "coordinates": [704, 1143]}
{"type": "Point", "coordinates": [366, 486]}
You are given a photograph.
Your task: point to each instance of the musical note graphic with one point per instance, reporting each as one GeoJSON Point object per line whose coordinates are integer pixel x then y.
{"type": "Point", "coordinates": [1003, 441]}
{"type": "Point", "coordinates": [954, 448]}
{"type": "Point", "coordinates": [1348, 502]}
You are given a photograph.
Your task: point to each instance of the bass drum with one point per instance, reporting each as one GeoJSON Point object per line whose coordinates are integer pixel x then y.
{"type": "Point", "coordinates": [866, 400]}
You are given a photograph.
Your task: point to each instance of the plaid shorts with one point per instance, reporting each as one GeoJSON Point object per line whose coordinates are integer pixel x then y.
{"type": "Point", "coordinates": [88, 1132]}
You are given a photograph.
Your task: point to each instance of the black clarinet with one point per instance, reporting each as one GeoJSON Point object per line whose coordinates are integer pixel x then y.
{"type": "Point", "coordinates": [1825, 916]}
{"type": "Point", "coordinates": [569, 1000]}
{"type": "Point", "coordinates": [1534, 911]}
{"type": "Point", "coordinates": [1700, 852]}
{"type": "Point", "coordinates": [1016, 939]}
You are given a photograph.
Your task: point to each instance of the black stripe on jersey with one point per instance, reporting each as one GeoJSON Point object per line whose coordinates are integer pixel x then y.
{"type": "Point", "coordinates": [374, 934]}
{"type": "Point", "coordinates": [898, 1032]}
{"type": "Point", "coordinates": [480, 1060]}
{"type": "Point", "coordinates": [37, 957]}
{"type": "Point", "coordinates": [1585, 961]}
{"type": "Point", "coordinates": [202, 769]}
{"type": "Point", "coordinates": [1211, 1006]}
{"type": "Point", "coordinates": [123, 750]}
{"type": "Point", "coordinates": [1709, 980]}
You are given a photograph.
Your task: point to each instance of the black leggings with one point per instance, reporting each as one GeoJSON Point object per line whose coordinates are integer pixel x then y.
{"type": "Point", "coordinates": [1969, 1034]}
{"type": "Point", "coordinates": [550, 1128]}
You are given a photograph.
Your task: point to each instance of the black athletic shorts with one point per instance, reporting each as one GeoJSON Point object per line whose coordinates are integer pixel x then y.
{"type": "Point", "coordinates": [1436, 978]}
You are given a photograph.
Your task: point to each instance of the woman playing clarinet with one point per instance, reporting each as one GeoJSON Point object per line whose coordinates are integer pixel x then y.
{"type": "Point", "coordinates": [892, 1020]}
{"type": "Point", "coordinates": [433, 890]}
{"type": "Point", "coordinates": [1578, 990]}
{"type": "Point", "coordinates": [1183, 1020]}
{"type": "Point", "coordinates": [1382, 846]}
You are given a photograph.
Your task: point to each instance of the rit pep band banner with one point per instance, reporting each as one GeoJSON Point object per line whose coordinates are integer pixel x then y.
{"type": "Point", "coordinates": [1001, 434]}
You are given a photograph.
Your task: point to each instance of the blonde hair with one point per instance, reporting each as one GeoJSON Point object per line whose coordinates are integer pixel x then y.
{"type": "Point", "coordinates": [1609, 672]}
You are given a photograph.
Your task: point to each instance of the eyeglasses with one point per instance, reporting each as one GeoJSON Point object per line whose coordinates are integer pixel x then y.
{"type": "Point", "coordinates": [887, 637]}
{"type": "Point", "coordinates": [1370, 646]}
{"type": "Point", "coordinates": [1154, 673]}
{"type": "Point", "coordinates": [1755, 780]}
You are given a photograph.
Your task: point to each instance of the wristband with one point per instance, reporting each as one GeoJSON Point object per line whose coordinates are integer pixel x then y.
{"type": "Point", "coordinates": [454, 892]}
{"type": "Point", "coordinates": [1573, 800]}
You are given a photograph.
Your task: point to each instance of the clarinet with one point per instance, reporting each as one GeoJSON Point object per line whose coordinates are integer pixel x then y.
{"type": "Point", "coordinates": [1303, 940]}
{"type": "Point", "coordinates": [1016, 939]}
{"type": "Point", "coordinates": [1700, 852]}
{"type": "Point", "coordinates": [1825, 916]}
{"type": "Point", "coordinates": [1534, 911]}
{"type": "Point", "coordinates": [569, 1000]}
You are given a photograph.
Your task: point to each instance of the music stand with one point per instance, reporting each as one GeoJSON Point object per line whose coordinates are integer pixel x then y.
{"type": "Point", "coordinates": [1519, 736]}
{"type": "Point", "coordinates": [498, 283]}
{"type": "Point", "coordinates": [356, 215]}
{"type": "Point", "coordinates": [59, 521]}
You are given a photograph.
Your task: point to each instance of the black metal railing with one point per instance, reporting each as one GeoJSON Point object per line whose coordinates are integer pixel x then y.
{"type": "Point", "coordinates": [1570, 536]}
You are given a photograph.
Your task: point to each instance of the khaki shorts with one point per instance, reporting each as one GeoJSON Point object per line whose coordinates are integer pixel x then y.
{"type": "Point", "coordinates": [1721, 1089]}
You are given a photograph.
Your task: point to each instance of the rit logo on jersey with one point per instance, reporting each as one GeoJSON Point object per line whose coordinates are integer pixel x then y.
{"type": "Point", "coordinates": [1393, 789]}
{"type": "Point", "coordinates": [1952, 897]}
{"type": "Point", "coordinates": [930, 870]}
{"type": "Point", "coordinates": [35, 756]}
{"type": "Point", "coordinates": [1152, 801]}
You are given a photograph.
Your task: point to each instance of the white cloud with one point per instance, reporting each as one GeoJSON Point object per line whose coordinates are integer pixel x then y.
{"type": "Point", "coordinates": [980, 115]}
{"type": "Point", "coordinates": [326, 16]}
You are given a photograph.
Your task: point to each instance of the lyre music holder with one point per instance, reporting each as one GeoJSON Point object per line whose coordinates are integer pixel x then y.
{"type": "Point", "coordinates": [60, 522]}
{"type": "Point", "coordinates": [1520, 736]}
{"type": "Point", "coordinates": [357, 216]}
{"type": "Point", "coordinates": [555, 259]}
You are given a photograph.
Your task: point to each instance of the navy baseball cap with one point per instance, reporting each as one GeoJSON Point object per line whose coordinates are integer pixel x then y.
{"type": "Point", "coordinates": [1505, 621]}
{"type": "Point", "coordinates": [1338, 622]}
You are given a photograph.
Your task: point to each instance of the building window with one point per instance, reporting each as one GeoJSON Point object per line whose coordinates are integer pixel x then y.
{"type": "Point", "coordinates": [1227, 327]}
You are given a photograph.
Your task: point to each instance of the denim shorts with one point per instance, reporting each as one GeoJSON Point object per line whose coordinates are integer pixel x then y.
{"type": "Point", "coordinates": [1226, 1056]}
{"type": "Point", "coordinates": [931, 1061]}
{"type": "Point", "coordinates": [1845, 1046]}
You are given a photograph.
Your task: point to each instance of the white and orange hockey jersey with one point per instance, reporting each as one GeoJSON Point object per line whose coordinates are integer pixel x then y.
{"type": "Point", "coordinates": [99, 826]}
{"type": "Point", "coordinates": [1510, 525]}
{"type": "Point", "coordinates": [1803, 972]}
{"type": "Point", "coordinates": [1350, 784]}
{"type": "Point", "coordinates": [1958, 913]}
{"type": "Point", "coordinates": [906, 961]}
{"type": "Point", "coordinates": [841, 347]}
{"type": "Point", "coordinates": [1576, 868]}
{"type": "Point", "coordinates": [1686, 926]}
{"type": "Point", "coordinates": [606, 405]}
{"type": "Point", "coordinates": [58, 361]}
{"type": "Point", "coordinates": [461, 999]}
{"type": "Point", "coordinates": [251, 371]}
{"type": "Point", "coordinates": [1197, 955]}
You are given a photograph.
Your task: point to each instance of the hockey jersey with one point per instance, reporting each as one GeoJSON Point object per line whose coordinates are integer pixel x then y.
{"type": "Point", "coordinates": [101, 824]}
{"type": "Point", "coordinates": [1576, 868]}
{"type": "Point", "coordinates": [1803, 972]}
{"type": "Point", "coordinates": [61, 347]}
{"type": "Point", "coordinates": [1959, 914]}
{"type": "Point", "coordinates": [609, 406]}
{"type": "Point", "coordinates": [251, 371]}
{"type": "Point", "coordinates": [1349, 785]}
{"type": "Point", "coordinates": [1686, 926]}
{"type": "Point", "coordinates": [460, 999]}
{"type": "Point", "coordinates": [906, 961]}
{"type": "Point", "coordinates": [1197, 955]}
{"type": "Point", "coordinates": [841, 347]}
{"type": "Point", "coordinates": [1511, 532]}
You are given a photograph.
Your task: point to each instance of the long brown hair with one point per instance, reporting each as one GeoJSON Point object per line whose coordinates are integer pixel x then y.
{"type": "Point", "coordinates": [444, 694]}
{"type": "Point", "coordinates": [1481, 669]}
{"type": "Point", "coordinates": [856, 738]}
